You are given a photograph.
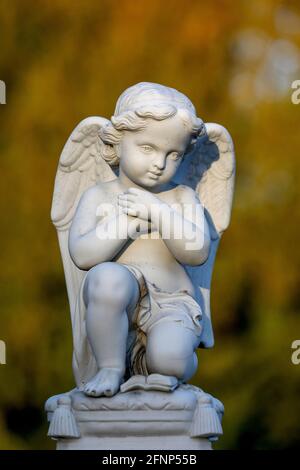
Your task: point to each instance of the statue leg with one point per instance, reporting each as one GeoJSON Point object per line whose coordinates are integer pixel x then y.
{"type": "Point", "coordinates": [171, 350]}
{"type": "Point", "coordinates": [110, 294]}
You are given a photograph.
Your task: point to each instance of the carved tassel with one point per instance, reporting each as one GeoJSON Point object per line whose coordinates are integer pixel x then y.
{"type": "Point", "coordinates": [206, 422]}
{"type": "Point", "coordinates": [63, 423]}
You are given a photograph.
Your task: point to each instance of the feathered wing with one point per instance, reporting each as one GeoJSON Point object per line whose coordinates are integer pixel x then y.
{"type": "Point", "coordinates": [80, 166]}
{"type": "Point", "coordinates": [210, 171]}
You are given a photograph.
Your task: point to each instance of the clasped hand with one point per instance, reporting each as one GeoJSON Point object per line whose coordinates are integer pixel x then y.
{"type": "Point", "coordinates": [138, 203]}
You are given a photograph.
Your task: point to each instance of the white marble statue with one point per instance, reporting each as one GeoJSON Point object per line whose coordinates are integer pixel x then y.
{"type": "Point", "coordinates": [140, 203]}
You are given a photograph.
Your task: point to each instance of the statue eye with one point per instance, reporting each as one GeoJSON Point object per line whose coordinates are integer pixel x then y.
{"type": "Point", "coordinates": [147, 148]}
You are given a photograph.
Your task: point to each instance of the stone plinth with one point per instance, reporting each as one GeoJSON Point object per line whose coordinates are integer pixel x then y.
{"type": "Point", "coordinates": [186, 418]}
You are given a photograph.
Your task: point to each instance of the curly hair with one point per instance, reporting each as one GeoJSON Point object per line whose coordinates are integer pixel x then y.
{"type": "Point", "coordinates": [146, 101]}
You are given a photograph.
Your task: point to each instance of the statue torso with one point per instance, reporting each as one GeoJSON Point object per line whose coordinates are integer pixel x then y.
{"type": "Point", "coordinates": [149, 252]}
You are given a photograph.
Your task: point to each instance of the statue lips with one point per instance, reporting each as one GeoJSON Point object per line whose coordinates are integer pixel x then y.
{"type": "Point", "coordinates": [155, 175]}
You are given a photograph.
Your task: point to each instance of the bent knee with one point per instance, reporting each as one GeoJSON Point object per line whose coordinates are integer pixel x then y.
{"type": "Point", "coordinates": [108, 282]}
{"type": "Point", "coordinates": [181, 367]}
{"type": "Point", "coordinates": [171, 358]}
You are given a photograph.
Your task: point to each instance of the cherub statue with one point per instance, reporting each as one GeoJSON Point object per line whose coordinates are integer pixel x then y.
{"type": "Point", "coordinates": [139, 294]}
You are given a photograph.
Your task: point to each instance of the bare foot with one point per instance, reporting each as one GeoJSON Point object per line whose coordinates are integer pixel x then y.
{"type": "Point", "coordinates": [106, 382]}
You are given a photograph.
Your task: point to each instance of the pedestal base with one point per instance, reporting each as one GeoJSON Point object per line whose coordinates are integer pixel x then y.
{"type": "Point", "coordinates": [134, 443]}
{"type": "Point", "coordinates": [185, 419]}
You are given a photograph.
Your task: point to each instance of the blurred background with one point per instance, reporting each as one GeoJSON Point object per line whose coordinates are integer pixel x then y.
{"type": "Point", "coordinates": [236, 60]}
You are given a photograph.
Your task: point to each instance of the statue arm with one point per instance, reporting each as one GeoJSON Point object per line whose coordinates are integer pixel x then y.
{"type": "Point", "coordinates": [92, 241]}
{"type": "Point", "coordinates": [192, 243]}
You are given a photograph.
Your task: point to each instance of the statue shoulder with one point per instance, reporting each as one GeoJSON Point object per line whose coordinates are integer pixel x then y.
{"type": "Point", "coordinates": [100, 190]}
{"type": "Point", "coordinates": [184, 194]}
{"type": "Point", "coordinates": [91, 194]}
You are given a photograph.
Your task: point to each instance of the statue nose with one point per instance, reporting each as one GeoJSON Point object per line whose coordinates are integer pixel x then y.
{"type": "Point", "coordinates": [160, 162]}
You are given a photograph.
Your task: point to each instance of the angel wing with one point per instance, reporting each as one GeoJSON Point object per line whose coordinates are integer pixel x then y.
{"type": "Point", "coordinates": [210, 171]}
{"type": "Point", "coordinates": [80, 166]}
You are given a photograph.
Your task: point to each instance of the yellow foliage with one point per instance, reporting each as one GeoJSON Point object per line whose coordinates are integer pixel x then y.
{"type": "Point", "coordinates": [63, 61]}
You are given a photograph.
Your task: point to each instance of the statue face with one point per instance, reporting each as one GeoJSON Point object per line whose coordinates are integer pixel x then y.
{"type": "Point", "coordinates": [150, 157]}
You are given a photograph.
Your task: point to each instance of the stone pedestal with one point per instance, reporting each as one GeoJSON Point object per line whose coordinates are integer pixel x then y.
{"type": "Point", "coordinates": [134, 443]}
{"type": "Point", "coordinates": [184, 419]}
